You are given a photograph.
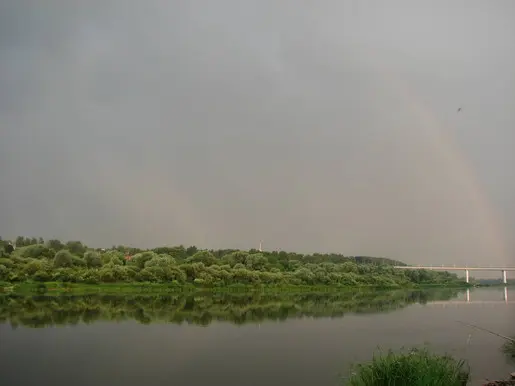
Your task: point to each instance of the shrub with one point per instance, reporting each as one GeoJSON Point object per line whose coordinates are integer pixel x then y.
{"type": "Point", "coordinates": [509, 349]}
{"type": "Point", "coordinates": [91, 276]}
{"type": "Point", "coordinates": [92, 259]}
{"type": "Point", "coordinates": [146, 275]}
{"type": "Point", "coordinates": [8, 263]}
{"type": "Point", "coordinates": [42, 276]}
{"type": "Point", "coordinates": [37, 251]}
{"type": "Point", "coordinates": [63, 258]}
{"type": "Point", "coordinates": [4, 272]}
{"type": "Point", "coordinates": [140, 259]}
{"type": "Point", "coordinates": [112, 256]}
{"type": "Point", "coordinates": [106, 275]}
{"type": "Point", "coordinates": [34, 266]}
{"type": "Point", "coordinates": [78, 262]}
{"type": "Point", "coordinates": [416, 368]}
{"type": "Point", "coordinates": [161, 260]}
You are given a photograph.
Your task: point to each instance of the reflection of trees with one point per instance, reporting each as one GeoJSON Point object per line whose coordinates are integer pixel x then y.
{"type": "Point", "coordinates": [42, 310]}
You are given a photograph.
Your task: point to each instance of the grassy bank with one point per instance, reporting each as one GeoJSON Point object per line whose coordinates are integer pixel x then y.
{"type": "Point", "coordinates": [131, 288]}
{"type": "Point", "coordinates": [509, 348]}
{"type": "Point", "coordinates": [415, 368]}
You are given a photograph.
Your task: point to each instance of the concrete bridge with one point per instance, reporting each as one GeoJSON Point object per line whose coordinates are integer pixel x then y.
{"type": "Point", "coordinates": [503, 270]}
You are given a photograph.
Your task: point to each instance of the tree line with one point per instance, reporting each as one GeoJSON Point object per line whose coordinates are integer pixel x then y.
{"type": "Point", "coordinates": [36, 260]}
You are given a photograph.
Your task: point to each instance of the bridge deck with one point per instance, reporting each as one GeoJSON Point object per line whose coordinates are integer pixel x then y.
{"type": "Point", "coordinates": [463, 302]}
{"type": "Point", "coordinates": [453, 268]}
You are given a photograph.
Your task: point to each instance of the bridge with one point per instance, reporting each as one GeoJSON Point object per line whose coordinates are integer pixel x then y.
{"type": "Point", "coordinates": [503, 270]}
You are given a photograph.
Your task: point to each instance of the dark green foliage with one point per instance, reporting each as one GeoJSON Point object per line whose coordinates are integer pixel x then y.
{"type": "Point", "coordinates": [7, 249]}
{"type": "Point", "coordinates": [140, 259]}
{"type": "Point", "coordinates": [37, 251]}
{"type": "Point", "coordinates": [92, 259]}
{"type": "Point", "coordinates": [34, 266]}
{"type": "Point", "coordinates": [56, 245]}
{"type": "Point", "coordinates": [74, 262]}
{"type": "Point", "coordinates": [416, 368]}
{"type": "Point", "coordinates": [7, 262]}
{"type": "Point", "coordinates": [113, 256]}
{"type": "Point", "coordinates": [76, 247]}
{"type": "Point", "coordinates": [178, 253]}
{"type": "Point", "coordinates": [63, 258]}
{"type": "Point", "coordinates": [205, 257]}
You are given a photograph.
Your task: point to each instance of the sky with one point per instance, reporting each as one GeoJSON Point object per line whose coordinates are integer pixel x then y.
{"type": "Point", "coordinates": [327, 126]}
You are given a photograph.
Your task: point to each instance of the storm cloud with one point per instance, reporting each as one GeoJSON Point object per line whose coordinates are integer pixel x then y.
{"type": "Point", "coordinates": [326, 126]}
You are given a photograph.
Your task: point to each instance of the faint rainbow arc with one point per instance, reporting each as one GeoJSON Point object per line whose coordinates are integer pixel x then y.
{"type": "Point", "coordinates": [457, 159]}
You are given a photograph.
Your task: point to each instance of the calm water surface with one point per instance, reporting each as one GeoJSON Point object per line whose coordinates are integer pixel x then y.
{"type": "Point", "coordinates": [240, 339]}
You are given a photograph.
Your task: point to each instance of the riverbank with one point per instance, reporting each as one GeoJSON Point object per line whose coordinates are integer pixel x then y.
{"type": "Point", "coordinates": [156, 288]}
{"type": "Point", "coordinates": [416, 368]}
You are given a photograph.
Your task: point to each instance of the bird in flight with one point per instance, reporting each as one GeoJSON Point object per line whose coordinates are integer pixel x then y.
{"type": "Point", "coordinates": [459, 109]}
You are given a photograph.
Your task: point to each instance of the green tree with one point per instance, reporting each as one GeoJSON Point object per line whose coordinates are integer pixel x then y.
{"type": "Point", "coordinates": [92, 259]}
{"type": "Point", "coordinates": [37, 251]}
{"type": "Point", "coordinates": [20, 242]}
{"type": "Point", "coordinates": [140, 259]}
{"type": "Point", "coordinates": [204, 257]}
{"type": "Point", "coordinates": [56, 245]}
{"type": "Point", "coordinates": [63, 259]}
{"type": "Point", "coordinates": [76, 247]}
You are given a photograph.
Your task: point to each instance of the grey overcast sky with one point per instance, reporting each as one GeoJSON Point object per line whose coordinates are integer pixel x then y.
{"type": "Point", "coordinates": [327, 126]}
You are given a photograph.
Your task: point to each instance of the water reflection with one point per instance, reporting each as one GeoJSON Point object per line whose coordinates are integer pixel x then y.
{"type": "Point", "coordinates": [48, 310]}
{"type": "Point", "coordinates": [504, 297]}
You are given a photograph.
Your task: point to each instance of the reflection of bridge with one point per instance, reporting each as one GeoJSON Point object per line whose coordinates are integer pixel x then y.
{"type": "Point", "coordinates": [468, 301]}
{"type": "Point", "coordinates": [466, 269]}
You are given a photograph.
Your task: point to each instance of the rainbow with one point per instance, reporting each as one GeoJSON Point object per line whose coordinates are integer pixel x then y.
{"type": "Point", "coordinates": [458, 166]}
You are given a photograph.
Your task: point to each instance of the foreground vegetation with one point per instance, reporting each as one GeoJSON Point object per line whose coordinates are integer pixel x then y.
{"type": "Point", "coordinates": [36, 261]}
{"type": "Point", "coordinates": [416, 368]}
{"type": "Point", "coordinates": [202, 309]}
{"type": "Point", "coordinates": [509, 348]}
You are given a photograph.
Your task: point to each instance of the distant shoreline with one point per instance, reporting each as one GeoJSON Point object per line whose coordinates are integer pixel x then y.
{"type": "Point", "coordinates": [182, 268]}
{"type": "Point", "coordinates": [77, 288]}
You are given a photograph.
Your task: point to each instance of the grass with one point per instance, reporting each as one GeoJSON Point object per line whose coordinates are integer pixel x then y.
{"type": "Point", "coordinates": [415, 368]}
{"type": "Point", "coordinates": [509, 349]}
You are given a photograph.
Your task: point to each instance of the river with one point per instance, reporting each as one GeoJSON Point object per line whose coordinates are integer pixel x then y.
{"type": "Point", "coordinates": [226, 340]}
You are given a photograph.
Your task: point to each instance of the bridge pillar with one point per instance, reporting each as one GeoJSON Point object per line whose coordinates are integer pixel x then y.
{"type": "Point", "coordinates": [504, 278]}
{"type": "Point", "coordinates": [467, 275]}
